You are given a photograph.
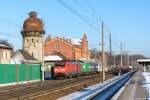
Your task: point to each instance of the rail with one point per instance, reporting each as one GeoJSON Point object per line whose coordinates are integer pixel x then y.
{"type": "Point", "coordinates": [109, 89]}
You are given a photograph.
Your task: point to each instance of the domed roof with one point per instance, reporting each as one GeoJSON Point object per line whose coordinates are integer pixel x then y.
{"type": "Point", "coordinates": [33, 23]}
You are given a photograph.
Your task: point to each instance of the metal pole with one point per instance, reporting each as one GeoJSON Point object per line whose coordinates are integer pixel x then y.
{"type": "Point", "coordinates": [120, 58]}
{"type": "Point", "coordinates": [110, 46]}
{"type": "Point", "coordinates": [42, 57]}
{"type": "Point", "coordinates": [114, 62]}
{"type": "Point", "coordinates": [121, 55]}
{"type": "Point", "coordinates": [132, 63]}
{"type": "Point", "coordinates": [103, 68]}
{"type": "Point", "coordinates": [0, 56]}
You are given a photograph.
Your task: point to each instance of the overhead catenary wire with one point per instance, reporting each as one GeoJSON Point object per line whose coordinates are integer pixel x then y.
{"type": "Point", "coordinates": [93, 11]}
{"type": "Point", "coordinates": [10, 34]}
{"type": "Point", "coordinates": [87, 11]}
{"type": "Point", "coordinates": [78, 15]}
{"type": "Point", "coordinates": [81, 16]}
{"type": "Point", "coordinates": [85, 19]}
{"type": "Point", "coordinates": [90, 6]}
{"type": "Point", "coordinates": [106, 27]}
{"type": "Point", "coordinates": [10, 22]}
{"type": "Point", "coordinates": [5, 21]}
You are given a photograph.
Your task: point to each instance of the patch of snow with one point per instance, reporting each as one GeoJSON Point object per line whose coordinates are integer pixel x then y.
{"type": "Point", "coordinates": [79, 95]}
{"type": "Point", "coordinates": [147, 81]}
{"type": "Point", "coordinates": [76, 41]}
{"type": "Point", "coordinates": [53, 58]}
{"type": "Point", "coordinates": [2, 45]}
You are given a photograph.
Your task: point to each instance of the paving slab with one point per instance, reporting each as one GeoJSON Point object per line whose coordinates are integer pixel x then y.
{"type": "Point", "coordinates": [135, 89]}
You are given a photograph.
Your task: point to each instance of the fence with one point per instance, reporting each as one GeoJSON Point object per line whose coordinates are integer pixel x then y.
{"type": "Point", "coordinates": [11, 73]}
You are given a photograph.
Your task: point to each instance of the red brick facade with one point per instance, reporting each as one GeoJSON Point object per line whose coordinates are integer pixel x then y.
{"type": "Point", "coordinates": [67, 49]}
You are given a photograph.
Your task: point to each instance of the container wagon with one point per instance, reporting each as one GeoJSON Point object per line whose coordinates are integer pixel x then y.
{"type": "Point", "coordinates": [74, 68]}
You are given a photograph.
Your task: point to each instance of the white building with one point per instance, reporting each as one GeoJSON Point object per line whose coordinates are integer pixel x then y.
{"type": "Point", "coordinates": [5, 54]}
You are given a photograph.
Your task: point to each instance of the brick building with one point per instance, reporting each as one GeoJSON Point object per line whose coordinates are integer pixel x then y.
{"type": "Point", "coordinates": [67, 49]}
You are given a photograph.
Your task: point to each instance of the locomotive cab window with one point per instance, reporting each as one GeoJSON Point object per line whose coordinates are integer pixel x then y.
{"type": "Point", "coordinates": [59, 64]}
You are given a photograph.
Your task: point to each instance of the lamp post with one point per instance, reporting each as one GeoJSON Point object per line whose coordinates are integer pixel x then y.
{"type": "Point", "coordinates": [43, 68]}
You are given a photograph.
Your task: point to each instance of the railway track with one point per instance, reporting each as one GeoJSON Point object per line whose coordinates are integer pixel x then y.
{"type": "Point", "coordinates": [107, 91]}
{"type": "Point", "coordinates": [41, 89]}
{"type": "Point", "coordinates": [35, 84]}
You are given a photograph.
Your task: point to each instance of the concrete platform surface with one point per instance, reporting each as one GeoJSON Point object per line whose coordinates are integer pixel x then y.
{"type": "Point", "coordinates": [135, 89]}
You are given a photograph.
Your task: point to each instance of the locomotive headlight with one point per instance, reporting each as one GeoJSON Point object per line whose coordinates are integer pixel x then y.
{"type": "Point", "coordinates": [63, 69]}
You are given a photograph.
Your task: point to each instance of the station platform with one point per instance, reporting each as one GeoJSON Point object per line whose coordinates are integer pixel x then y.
{"type": "Point", "coordinates": [135, 89]}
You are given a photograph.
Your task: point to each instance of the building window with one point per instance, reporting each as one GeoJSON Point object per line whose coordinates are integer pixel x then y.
{"type": "Point", "coordinates": [6, 54]}
{"type": "Point", "coordinates": [57, 46]}
{"type": "Point", "coordinates": [32, 40]}
{"type": "Point", "coordinates": [2, 53]}
{"type": "Point", "coordinates": [27, 40]}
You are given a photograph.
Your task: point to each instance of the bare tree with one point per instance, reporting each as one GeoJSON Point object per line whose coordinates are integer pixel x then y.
{"type": "Point", "coordinates": [48, 38]}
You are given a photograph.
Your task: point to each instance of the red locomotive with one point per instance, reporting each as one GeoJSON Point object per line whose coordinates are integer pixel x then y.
{"type": "Point", "coordinates": [67, 69]}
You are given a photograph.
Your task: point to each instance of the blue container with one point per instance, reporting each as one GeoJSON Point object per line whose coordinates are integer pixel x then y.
{"type": "Point", "coordinates": [48, 75]}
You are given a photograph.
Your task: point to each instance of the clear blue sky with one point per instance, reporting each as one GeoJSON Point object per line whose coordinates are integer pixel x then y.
{"type": "Point", "coordinates": [127, 20]}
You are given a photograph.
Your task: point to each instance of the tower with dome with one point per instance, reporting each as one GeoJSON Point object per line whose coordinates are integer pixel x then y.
{"type": "Point", "coordinates": [32, 33]}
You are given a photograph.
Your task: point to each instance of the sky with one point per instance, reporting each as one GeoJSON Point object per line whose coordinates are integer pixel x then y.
{"type": "Point", "coordinates": [128, 21]}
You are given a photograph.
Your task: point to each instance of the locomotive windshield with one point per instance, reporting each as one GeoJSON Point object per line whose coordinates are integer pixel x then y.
{"type": "Point", "coordinates": [59, 64]}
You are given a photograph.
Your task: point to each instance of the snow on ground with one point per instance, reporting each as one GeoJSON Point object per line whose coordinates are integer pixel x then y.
{"type": "Point", "coordinates": [53, 58]}
{"type": "Point", "coordinates": [147, 82]}
{"type": "Point", "coordinates": [79, 95]}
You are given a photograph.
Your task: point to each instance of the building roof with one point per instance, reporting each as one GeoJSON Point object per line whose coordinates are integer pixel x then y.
{"type": "Point", "coordinates": [74, 42]}
{"type": "Point", "coordinates": [53, 58]}
{"type": "Point", "coordinates": [143, 60]}
{"type": "Point", "coordinates": [5, 46]}
{"type": "Point", "coordinates": [21, 56]}
{"type": "Point", "coordinates": [26, 55]}
{"type": "Point", "coordinates": [33, 23]}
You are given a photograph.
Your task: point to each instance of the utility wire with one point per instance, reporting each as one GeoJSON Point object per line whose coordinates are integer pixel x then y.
{"type": "Point", "coordinates": [10, 22]}
{"type": "Point", "coordinates": [78, 15]}
{"type": "Point", "coordinates": [91, 7]}
{"type": "Point", "coordinates": [10, 34]}
{"type": "Point", "coordinates": [106, 27]}
{"type": "Point", "coordinates": [86, 10]}
{"type": "Point", "coordinates": [85, 19]}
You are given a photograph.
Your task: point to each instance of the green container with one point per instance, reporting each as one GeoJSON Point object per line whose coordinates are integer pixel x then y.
{"type": "Point", "coordinates": [86, 68]}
